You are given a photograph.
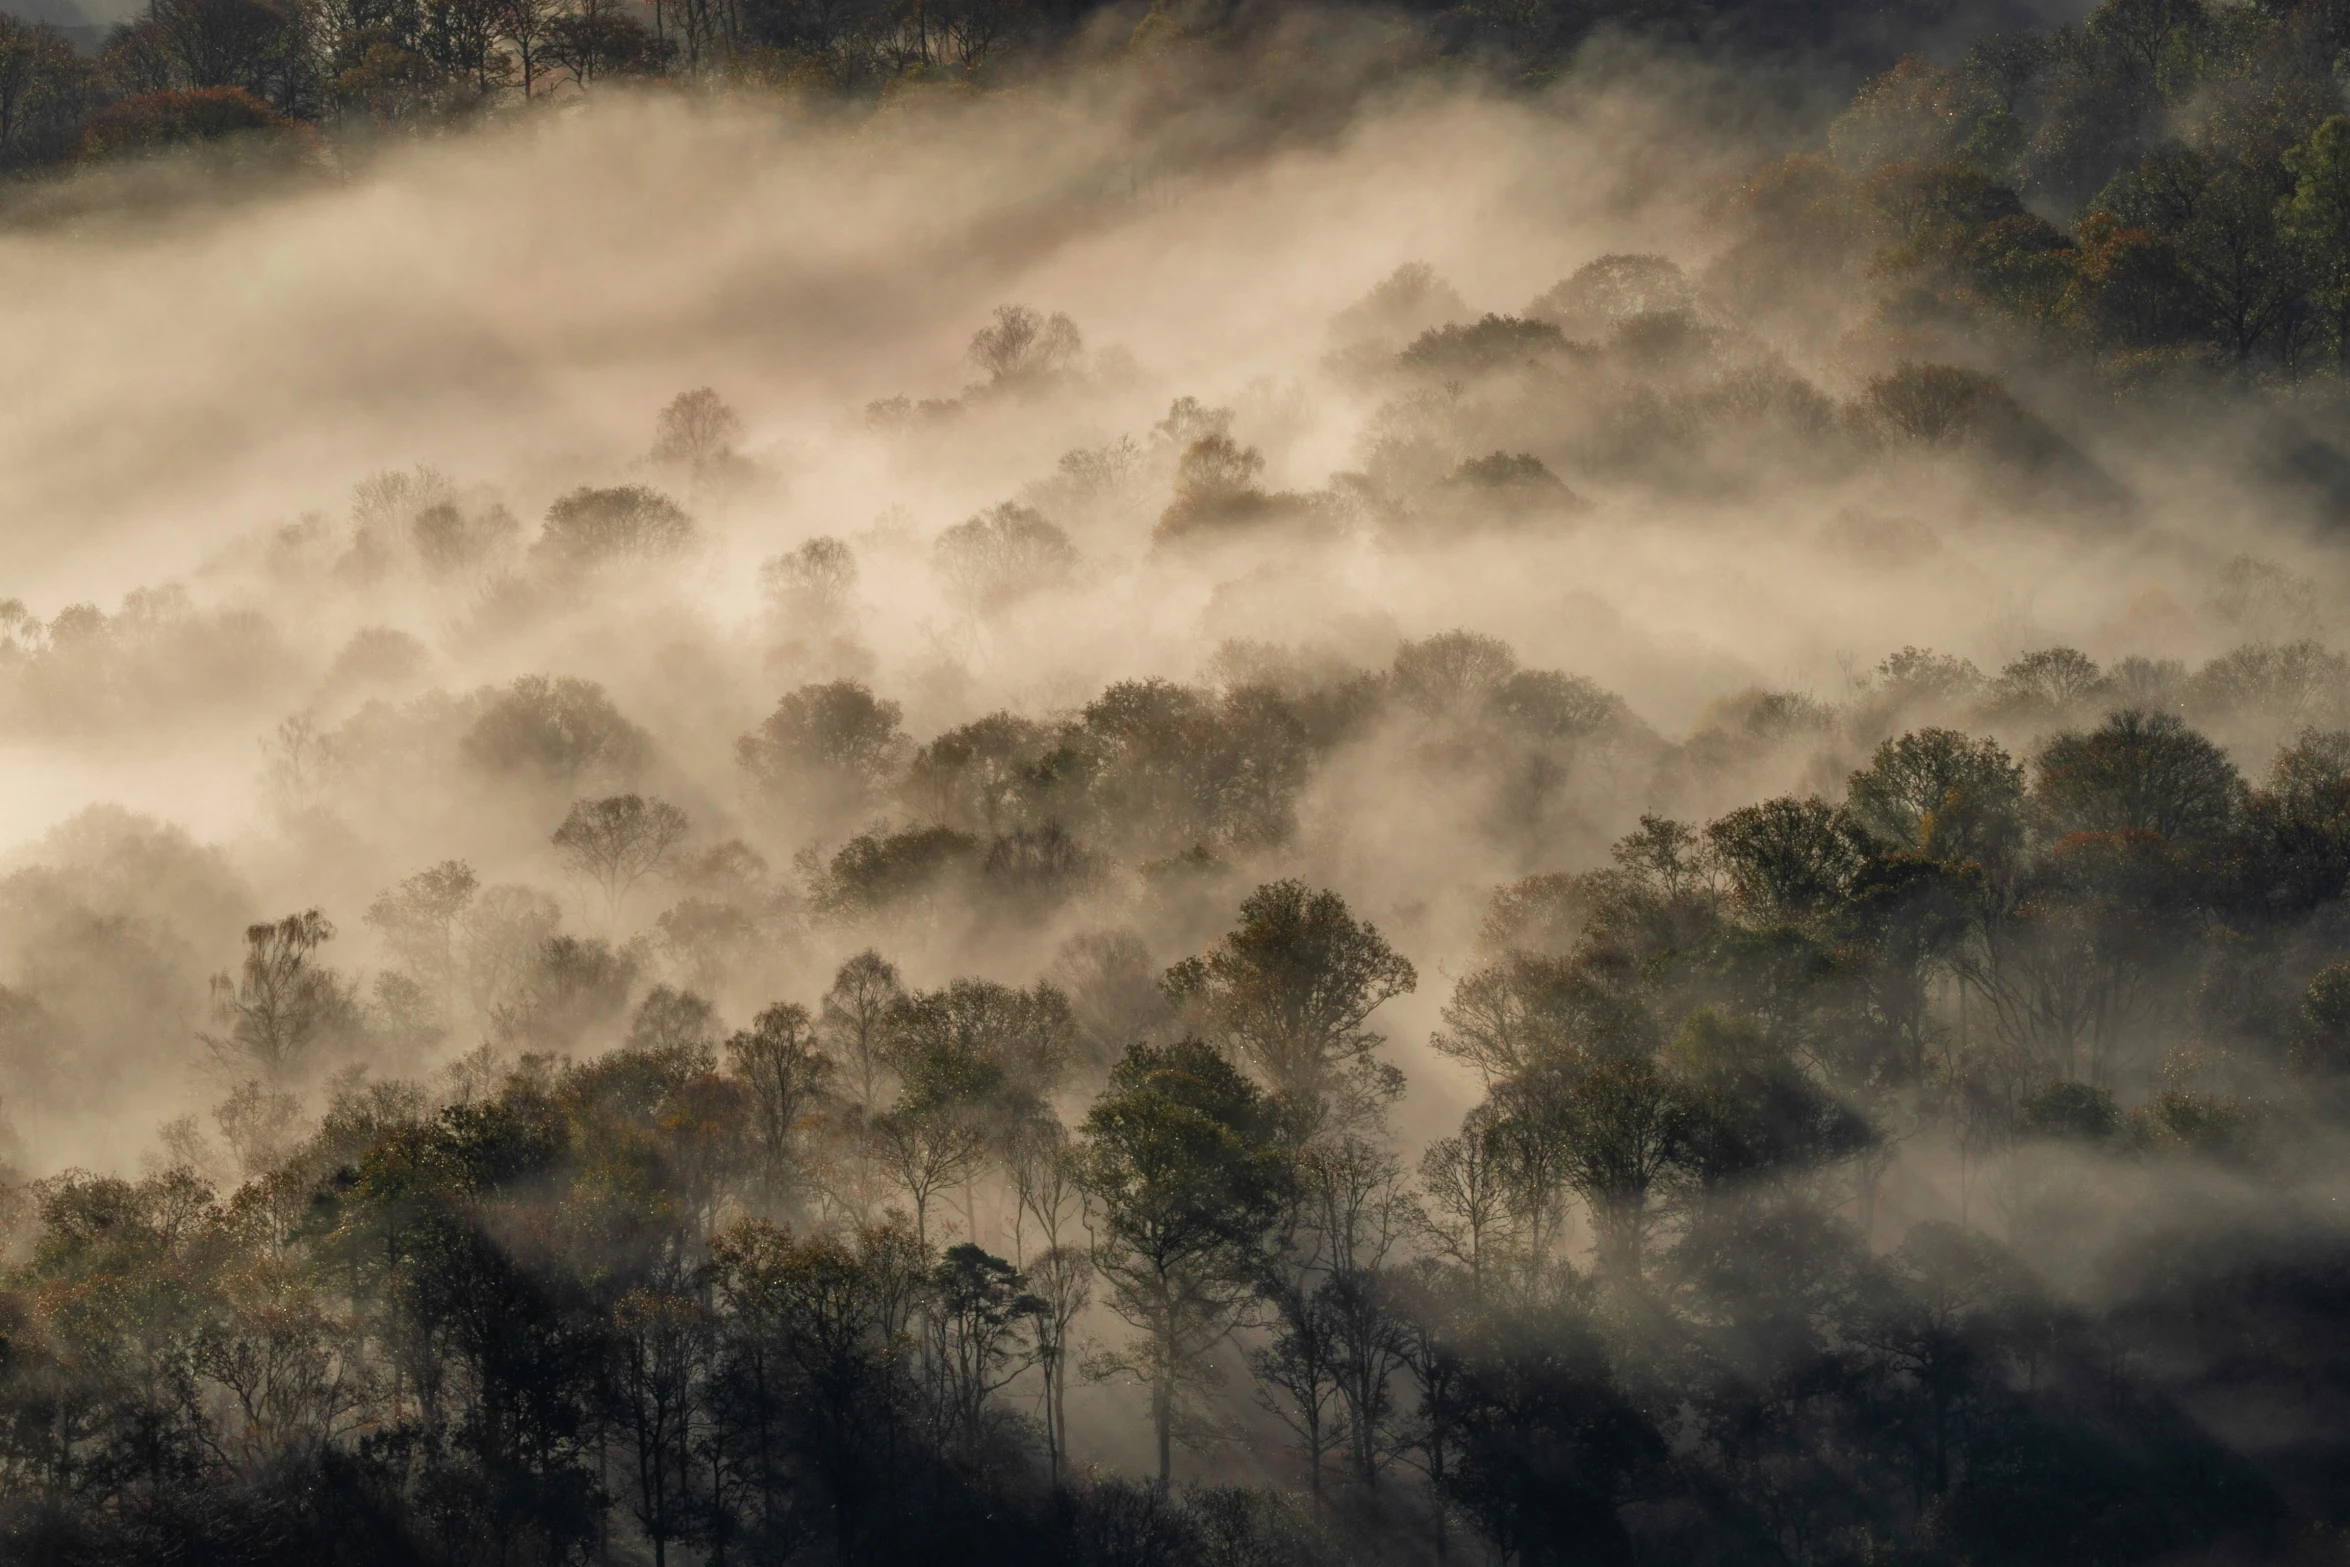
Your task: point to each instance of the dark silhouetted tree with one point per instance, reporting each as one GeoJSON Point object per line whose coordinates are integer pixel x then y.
{"type": "Point", "coordinates": [1182, 1154]}
{"type": "Point", "coordinates": [1288, 991]}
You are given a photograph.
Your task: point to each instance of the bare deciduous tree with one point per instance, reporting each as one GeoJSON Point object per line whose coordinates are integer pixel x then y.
{"type": "Point", "coordinates": [282, 1002]}
{"type": "Point", "coordinates": [1002, 556]}
{"type": "Point", "coordinates": [618, 841]}
{"type": "Point", "coordinates": [811, 583]}
{"type": "Point", "coordinates": [856, 1012]}
{"type": "Point", "coordinates": [418, 921]}
{"type": "Point", "coordinates": [1023, 348]}
{"type": "Point", "coordinates": [787, 1074]}
{"type": "Point", "coordinates": [696, 428]}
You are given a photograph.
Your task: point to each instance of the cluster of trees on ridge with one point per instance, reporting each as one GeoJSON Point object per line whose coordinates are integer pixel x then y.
{"type": "Point", "coordinates": [2165, 180]}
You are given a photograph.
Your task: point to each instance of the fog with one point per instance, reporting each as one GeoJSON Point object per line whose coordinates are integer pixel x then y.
{"type": "Point", "coordinates": [197, 390]}
{"type": "Point", "coordinates": [235, 417]}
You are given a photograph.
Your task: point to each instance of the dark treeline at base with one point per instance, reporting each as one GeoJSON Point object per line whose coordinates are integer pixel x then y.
{"type": "Point", "coordinates": [691, 1299]}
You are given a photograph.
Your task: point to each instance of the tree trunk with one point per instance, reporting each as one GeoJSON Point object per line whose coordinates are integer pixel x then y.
{"type": "Point", "coordinates": [1061, 1419]}
{"type": "Point", "coordinates": [1163, 1414]}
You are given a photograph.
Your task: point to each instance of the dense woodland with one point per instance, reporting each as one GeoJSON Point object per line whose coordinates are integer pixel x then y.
{"type": "Point", "coordinates": [524, 1251]}
{"type": "Point", "coordinates": [667, 1085]}
{"type": "Point", "coordinates": [815, 1286]}
{"type": "Point", "coordinates": [2165, 182]}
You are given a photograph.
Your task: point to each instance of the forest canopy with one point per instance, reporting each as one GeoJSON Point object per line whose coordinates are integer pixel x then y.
{"type": "Point", "coordinates": [1180, 787]}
